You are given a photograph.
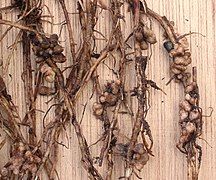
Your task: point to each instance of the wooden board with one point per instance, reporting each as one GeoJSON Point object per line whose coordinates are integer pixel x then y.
{"type": "Point", "coordinates": [168, 163]}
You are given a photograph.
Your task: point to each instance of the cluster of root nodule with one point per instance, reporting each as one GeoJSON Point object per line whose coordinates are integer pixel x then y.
{"type": "Point", "coordinates": [109, 98]}
{"type": "Point", "coordinates": [21, 162]}
{"type": "Point", "coordinates": [190, 117]}
{"type": "Point", "coordinates": [45, 48]}
{"type": "Point", "coordinates": [181, 58]}
{"type": "Point", "coordinates": [144, 36]}
{"type": "Point", "coordinates": [140, 155]}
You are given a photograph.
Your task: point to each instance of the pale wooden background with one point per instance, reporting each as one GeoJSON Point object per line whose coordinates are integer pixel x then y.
{"type": "Point", "coordinates": [168, 163]}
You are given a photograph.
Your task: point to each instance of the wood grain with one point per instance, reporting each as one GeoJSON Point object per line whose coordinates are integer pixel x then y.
{"type": "Point", "coordinates": [168, 163]}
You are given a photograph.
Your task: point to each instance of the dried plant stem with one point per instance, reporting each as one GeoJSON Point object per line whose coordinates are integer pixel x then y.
{"type": "Point", "coordinates": [106, 150]}
{"type": "Point", "coordinates": [140, 75]}
{"type": "Point", "coordinates": [86, 157]}
{"type": "Point", "coordinates": [9, 124]}
{"type": "Point", "coordinates": [192, 173]}
{"type": "Point", "coordinates": [70, 31]}
{"type": "Point", "coordinates": [16, 25]}
{"type": "Point", "coordinates": [164, 23]}
{"type": "Point", "coordinates": [192, 163]}
{"type": "Point", "coordinates": [141, 64]}
{"type": "Point", "coordinates": [28, 83]}
{"type": "Point", "coordinates": [191, 126]}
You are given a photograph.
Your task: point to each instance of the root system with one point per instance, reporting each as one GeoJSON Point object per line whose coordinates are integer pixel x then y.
{"type": "Point", "coordinates": [30, 153]}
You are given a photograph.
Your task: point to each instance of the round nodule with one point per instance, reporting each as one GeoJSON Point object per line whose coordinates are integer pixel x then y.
{"type": "Point", "coordinates": [168, 45]}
